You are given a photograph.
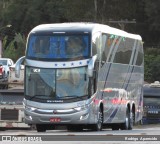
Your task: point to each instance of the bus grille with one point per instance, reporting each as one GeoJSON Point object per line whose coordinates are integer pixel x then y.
{"type": "Point", "coordinates": [9, 114]}
{"type": "Point", "coordinates": [153, 116]}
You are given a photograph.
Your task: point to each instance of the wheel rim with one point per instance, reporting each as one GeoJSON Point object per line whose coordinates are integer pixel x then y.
{"type": "Point", "coordinates": [132, 117]}
{"type": "Point", "coordinates": [100, 120]}
{"type": "Point", "coordinates": [127, 124]}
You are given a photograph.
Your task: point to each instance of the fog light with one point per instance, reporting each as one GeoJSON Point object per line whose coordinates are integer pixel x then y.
{"type": "Point", "coordinates": [84, 116]}
{"type": "Point", "coordinates": [30, 117]}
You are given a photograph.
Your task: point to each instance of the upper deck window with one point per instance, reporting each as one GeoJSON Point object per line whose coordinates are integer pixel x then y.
{"type": "Point", "coordinates": [45, 47]}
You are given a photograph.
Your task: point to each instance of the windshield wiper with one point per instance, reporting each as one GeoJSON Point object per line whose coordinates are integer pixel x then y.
{"type": "Point", "coordinates": [71, 97]}
{"type": "Point", "coordinates": [35, 96]}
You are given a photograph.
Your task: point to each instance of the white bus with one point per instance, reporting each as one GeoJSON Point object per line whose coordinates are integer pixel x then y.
{"type": "Point", "coordinates": [82, 75]}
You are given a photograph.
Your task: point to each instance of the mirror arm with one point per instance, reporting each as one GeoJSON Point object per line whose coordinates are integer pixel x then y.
{"type": "Point", "coordinates": [18, 66]}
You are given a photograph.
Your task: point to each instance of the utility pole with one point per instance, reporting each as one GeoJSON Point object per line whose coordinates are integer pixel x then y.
{"type": "Point", "coordinates": [122, 23]}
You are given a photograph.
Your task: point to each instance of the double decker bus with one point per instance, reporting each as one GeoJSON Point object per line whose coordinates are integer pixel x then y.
{"type": "Point", "coordinates": [82, 75]}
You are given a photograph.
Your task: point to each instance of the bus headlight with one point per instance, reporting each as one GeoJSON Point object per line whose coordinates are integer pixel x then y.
{"type": "Point", "coordinates": [31, 109]}
{"type": "Point", "coordinates": [84, 107]}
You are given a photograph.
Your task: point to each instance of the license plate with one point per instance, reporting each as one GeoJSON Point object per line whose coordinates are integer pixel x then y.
{"type": "Point", "coordinates": [153, 112]}
{"type": "Point", "coordinates": [55, 119]}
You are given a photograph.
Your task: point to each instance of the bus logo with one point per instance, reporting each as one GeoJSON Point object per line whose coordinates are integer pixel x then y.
{"type": "Point", "coordinates": [36, 70]}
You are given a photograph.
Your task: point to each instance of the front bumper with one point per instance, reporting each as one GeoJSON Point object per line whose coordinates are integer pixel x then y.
{"type": "Point", "coordinates": [79, 117]}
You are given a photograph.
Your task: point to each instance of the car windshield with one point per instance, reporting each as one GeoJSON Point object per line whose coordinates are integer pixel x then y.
{"type": "Point", "coordinates": [152, 101]}
{"type": "Point", "coordinates": [3, 62]}
{"type": "Point", "coordinates": [58, 47]}
{"type": "Point", "coordinates": [56, 84]}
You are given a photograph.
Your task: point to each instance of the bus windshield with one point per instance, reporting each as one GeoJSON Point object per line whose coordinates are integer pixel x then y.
{"type": "Point", "coordinates": [56, 84]}
{"type": "Point", "coordinates": [152, 101]}
{"type": "Point", "coordinates": [44, 47]}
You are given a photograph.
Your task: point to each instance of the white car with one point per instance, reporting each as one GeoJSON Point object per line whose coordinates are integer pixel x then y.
{"type": "Point", "coordinates": [7, 62]}
{"type": "Point", "coordinates": [14, 81]}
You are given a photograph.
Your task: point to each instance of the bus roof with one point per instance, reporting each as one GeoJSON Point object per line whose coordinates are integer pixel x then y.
{"type": "Point", "coordinates": [84, 27]}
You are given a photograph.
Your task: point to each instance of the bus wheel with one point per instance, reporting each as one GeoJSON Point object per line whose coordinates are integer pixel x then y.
{"type": "Point", "coordinates": [131, 121]}
{"type": "Point", "coordinates": [125, 125]}
{"type": "Point", "coordinates": [98, 125]}
{"type": "Point", "coordinates": [40, 128]}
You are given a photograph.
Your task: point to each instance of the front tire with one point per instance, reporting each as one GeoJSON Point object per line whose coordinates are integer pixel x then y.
{"type": "Point", "coordinates": [99, 124]}
{"type": "Point", "coordinates": [40, 128]}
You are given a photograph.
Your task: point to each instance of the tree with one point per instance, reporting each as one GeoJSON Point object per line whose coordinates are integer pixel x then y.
{"type": "Point", "coordinates": [26, 14]}
{"type": "Point", "coordinates": [152, 11]}
{"type": "Point", "coordinates": [79, 10]}
{"type": "Point", "coordinates": [148, 67]}
{"type": "Point", "coordinates": [152, 64]}
{"type": "Point", "coordinates": [156, 69]}
{"type": "Point", "coordinates": [15, 48]}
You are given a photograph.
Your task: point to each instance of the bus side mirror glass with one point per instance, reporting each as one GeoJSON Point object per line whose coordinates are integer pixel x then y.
{"type": "Point", "coordinates": [18, 66]}
{"type": "Point", "coordinates": [90, 72]}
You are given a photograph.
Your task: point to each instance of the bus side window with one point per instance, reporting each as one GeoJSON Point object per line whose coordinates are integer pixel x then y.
{"type": "Point", "coordinates": [94, 50]}
{"type": "Point", "coordinates": [111, 43]}
{"type": "Point", "coordinates": [140, 55]}
{"type": "Point", "coordinates": [105, 47]}
{"type": "Point", "coordinates": [124, 51]}
{"type": "Point", "coordinates": [96, 45]}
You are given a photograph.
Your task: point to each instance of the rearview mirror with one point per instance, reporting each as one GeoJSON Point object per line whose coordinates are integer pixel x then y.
{"type": "Point", "coordinates": [91, 66]}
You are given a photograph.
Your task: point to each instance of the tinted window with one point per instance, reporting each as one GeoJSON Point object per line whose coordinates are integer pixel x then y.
{"type": "Point", "coordinates": [149, 101]}
{"type": "Point", "coordinates": [124, 51]}
{"type": "Point", "coordinates": [140, 55]}
{"type": "Point", "coordinates": [57, 47]}
{"type": "Point", "coordinates": [96, 43]}
{"type": "Point", "coordinates": [105, 46]}
{"type": "Point", "coordinates": [4, 62]}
